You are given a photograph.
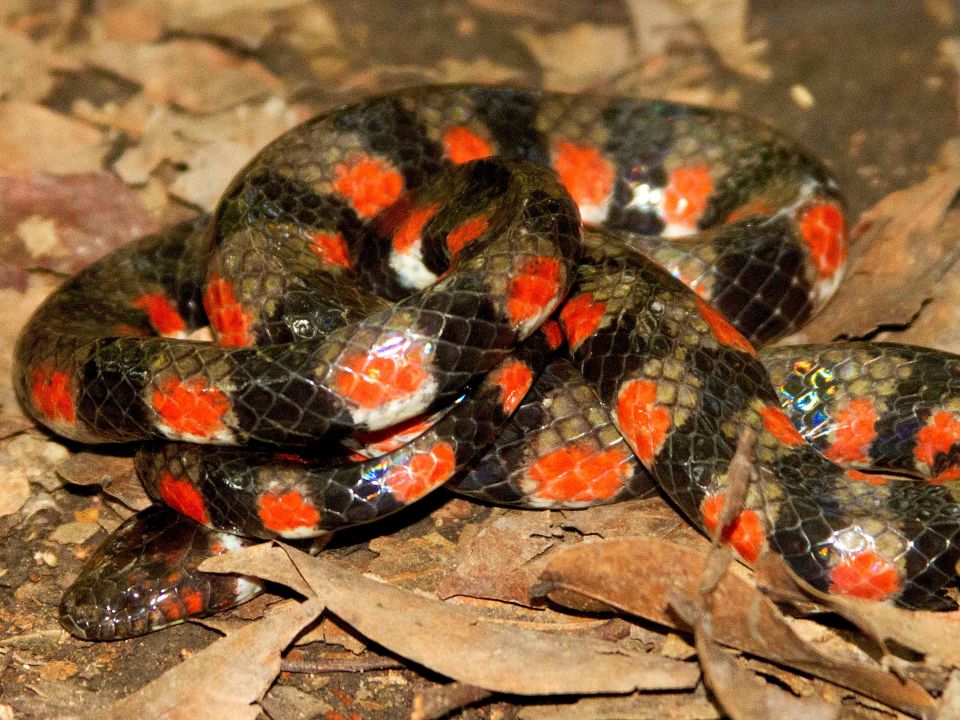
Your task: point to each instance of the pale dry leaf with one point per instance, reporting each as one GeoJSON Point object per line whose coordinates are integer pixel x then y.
{"type": "Point", "coordinates": [657, 24]}
{"type": "Point", "coordinates": [724, 23]}
{"type": "Point", "coordinates": [34, 138]}
{"type": "Point", "coordinates": [583, 56]}
{"type": "Point", "coordinates": [950, 53]}
{"type": "Point", "coordinates": [644, 706]}
{"type": "Point", "coordinates": [91, 214]}
{"type": "Point", "coordinates": [459, 644]}
{"type": "Point", "coordinates": [191, 74]}
{"type": "Point", "coordinates": [225, 679]}
{"type": "Point", "coordinates": [213, 148]}
{"type": "Point", "coordinates": [23, 68]}
{"type": "Point", "coordinates": [14, 487]}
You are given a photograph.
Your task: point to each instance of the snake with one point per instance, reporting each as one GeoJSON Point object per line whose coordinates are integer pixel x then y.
{"type": "Point", "coordinates": [534, 298]}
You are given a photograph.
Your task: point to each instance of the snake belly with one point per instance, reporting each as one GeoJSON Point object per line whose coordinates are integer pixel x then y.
{"type": "Point", "coordinates": [386, 282]}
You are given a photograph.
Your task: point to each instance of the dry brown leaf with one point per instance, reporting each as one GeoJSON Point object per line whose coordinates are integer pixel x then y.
{"type": "Point", "coordinates": [65, 222]}
{"type": "Point", "coordinates": [459, 644]}
{"type": "Point", "coordinates": [23, 68]}
{"type": "Point", "coordinates": [226, 679]}
{"type": "Point", "coordinates": [114, 474]}
{"type": "Point", "coordinates": [214, 148]}
{"type": "Point", "coordinates": [906, 244]}
{"type": "Point", "coordinates": [583, 56]}
{"type": "Point", "coordinates": [34, 138]}
{"type": "Point", "coordinates": [190, 74]}
{"type": "Point", "coordinates": [950, 702]}
{"type": "Point", "coordinates": [740, 692]}
{"type": "Point", "coordinates": [724, 24]}
{"type": "Point", "coordinates": [644, 706]}
{"type": "Point", "coordinates": [934, 634]}
{"type": "Point", "coordinates": [637, 576]}
{"type": "Point", "coordinates": [502, 557]}
{"type": "Point", "coordinates": [14, 487]}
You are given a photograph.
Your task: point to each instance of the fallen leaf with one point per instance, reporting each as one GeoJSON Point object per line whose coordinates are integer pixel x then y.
{"type": "Point", "coordinates": [934, 634]}
{"type": "Point", "coordinates": [642, 706]}
{"type": "Point", "coordinates": [88, 214]}
{"type": "Point", "coordinates": [213, 148]}
{"type": "Point", "coordinates": [34, 138]}
{"type": "Point", "coordinates": [115, 475]}
{"type": "Point", "coordinates": [23, 68]}
{"type": "Point", "coordinates": [724, 24]}
{"type": "Point", "coordinates": [224, 680]}
{"type": "Point", "coordinates": [740, 692]}
{"type": "Point", "coordinates": [638, 575]}
{"type": "Point", "coordinates": [582, 56]}
{"type": "Point", "coordinates": [191, 74]}
{"type": "Point", "coordinates": [907, 243]}
{"type": "Point", "coordinates": [459, 644]}
{"type": "Point", "coordinates": [14, 488]}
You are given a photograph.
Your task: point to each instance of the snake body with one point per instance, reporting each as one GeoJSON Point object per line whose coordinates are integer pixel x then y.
{"type": "Point", "coordinates": [387, 282]}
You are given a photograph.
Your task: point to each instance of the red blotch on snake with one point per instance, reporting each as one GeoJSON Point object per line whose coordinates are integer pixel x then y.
{"type": "Point", "coordinates": [823, 230]}
{"type": "Point", "coordinates": [581, 317]}
{"type": "Point", "coordinates": [396, 436]}
{"type": "Point", "coordinates": [286, 512]}
{"type": "Point", "coordinates": [182, 495]}
{"type": "Point", "coordinates": [533, 288]}
{"type": "Point", "coordinates": [551, 329]}
{"type": "Point", "coordinates": [644, 423]}
{"type": "Point", "coordinates": [586, 174]}
{"type": "Point", "coordinates": [331, 248]}
{"type": "Point", "coordinates": [371, 380]}
{"type": "Point", "coordinates": [580, 473]}
{"type": "Point", "coordinates": [855, 429]}
{"type": "Point", "coordinates": [191, 407]}
{"type": "Point", "coordinates": [514, 380]}
{"type": "Point", "coordinates": [868, 478]}
{"type": "Point", "coordinates": [162, 313]}
{"type": "Point", "coordinates": [723, 332]}
{"type": "Point", "coordinates": [865, 575]}
{"type": "Point", "coordinates": [461, 144]}
{"type": "Point", "coordinates": [745, 533]}
{"type": "Point", "coordinates": [51, 394]}
{"type": "Point", "coordinates": [409, 230]}
{"type": "Point", "coordinates": [686, 194]}
{"type": "Point", "coordinates": [228, 317]}
{"type": "Point", "coordinates": [939, 435]}
{"type": "Point", "coordinates": [368, 183]}
{"type": "Point", "coordinates": [776, 422]}
{"type": "Point", "coordinates": [424, 471]}
{"type": "Point", "coordinates": [466, 233]}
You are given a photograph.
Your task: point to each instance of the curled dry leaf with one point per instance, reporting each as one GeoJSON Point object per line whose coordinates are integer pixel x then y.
{"type": "Point", "coordinates": [459, 644]}
{"type": "Point", "coordinates": [226, 679]}
{"type": "Point", "coordinates": [638, 576]}
{"type": "Point", "coordinates": [907, 243]}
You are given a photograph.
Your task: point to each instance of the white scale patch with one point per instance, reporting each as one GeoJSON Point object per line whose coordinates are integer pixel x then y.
{"type": "Point", "coordinates": [409, 267]}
